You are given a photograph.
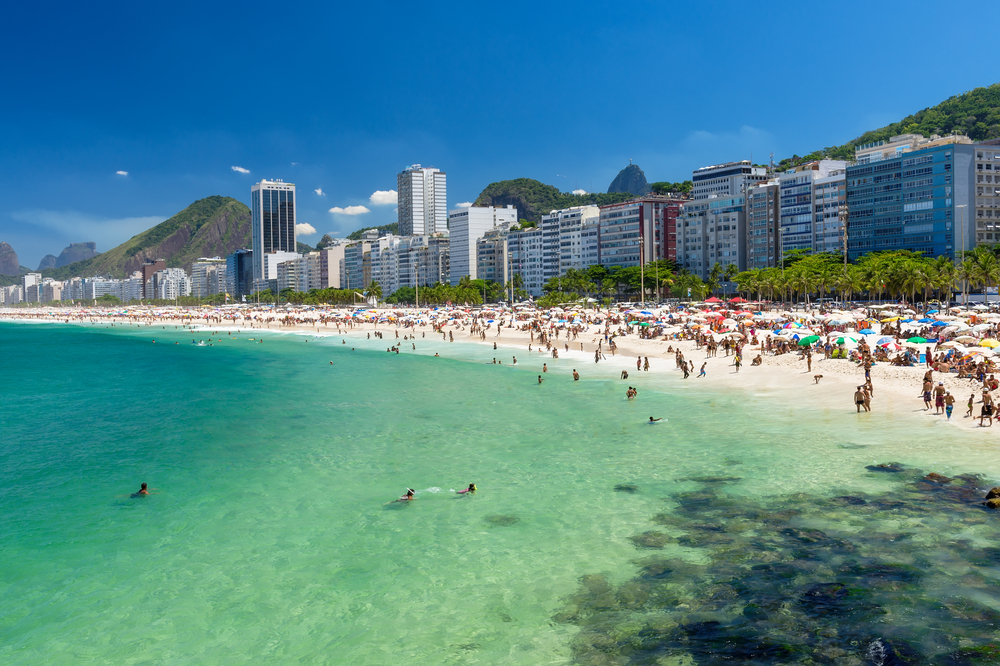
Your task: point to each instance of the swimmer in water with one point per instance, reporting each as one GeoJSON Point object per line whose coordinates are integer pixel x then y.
{"type": "Point", "coordinates": [143, 490]}
{"type": "Point", "coordinates": [652, 420]}
{"type": "Point", "coordinates": [471, 489]}
{"type": "Point", "coordinates": [408, 496]}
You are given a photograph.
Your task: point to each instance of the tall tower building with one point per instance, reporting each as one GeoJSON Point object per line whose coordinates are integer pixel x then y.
{"type": "Point", "coordinates": [423, 200]}
{"type": "Point", "coordinates": [273, 218]}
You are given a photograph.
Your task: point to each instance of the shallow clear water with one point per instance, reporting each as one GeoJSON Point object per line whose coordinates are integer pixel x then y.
{"type": "Point", "coordinates": [269, 537]}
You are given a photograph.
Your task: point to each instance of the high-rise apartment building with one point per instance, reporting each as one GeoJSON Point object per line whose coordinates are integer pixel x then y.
{"type": "Point", "coordinates": [712, 231]}
{"type": "Point", "coordinates": [422, 200]}
{"type": "Point", "coordinates": [920, 200]}
{"type": "Point", "coordinates": [762, 225]}
{"type": "Point", "coordinates": [465, 227]}
{"type": "Point", "coordinates": [208, 277]}
{"type": "Point", "coordinates": [803, 226]}
{"type": "Point", "coordinates": [725, 180]}
{"type": "Point", "coordinates": [239, 274]}
{"type": "Point", "coordinates": [272, 210]}
{"type": "Point", "coordinates": [639, 231]}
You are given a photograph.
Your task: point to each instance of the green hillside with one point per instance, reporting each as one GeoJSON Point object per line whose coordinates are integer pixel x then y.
{"type": "Point", "coordinates": [975, 113]}
{"type": "Point", "coordinates": [392, 228]}
{"type": "Point", "coordinates": [533, 198]}
{"type": "Point", "coordinates": [214, 226]}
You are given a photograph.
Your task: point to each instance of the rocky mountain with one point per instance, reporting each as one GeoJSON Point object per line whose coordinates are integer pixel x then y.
{"type": "Point", "coordinates": [9, 265]}
{"type": "Point", "coordinates": [533, 198]}
{"type": "Point", "coordinates": [214, 226]}
{"type": "Point", "coordinates": [76, 252]}
{"type": "Point", "coordinates": [631, 179]}
{"type": "Point", "coordinates": [48, 261]}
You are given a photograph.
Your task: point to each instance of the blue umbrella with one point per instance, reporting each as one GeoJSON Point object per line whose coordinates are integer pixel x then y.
{"type": "Point", "coordinates": [645, 312]}
{"type": "Point", "coordinates": [907, 321]}
{"type": "Point", "coordinates": [866, 331]}
{"type": "Point", "coordinates": [925, 320]}
{"type": "Point", "coordinates": [933, 311]}
{"type": "Point", "coordinates": [882, 341]}
{"type": "Point", "coordinates": [939, 323]}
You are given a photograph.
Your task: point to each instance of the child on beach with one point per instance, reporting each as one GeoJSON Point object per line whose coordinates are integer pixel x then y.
{"type": "Point", "coordinates": [972, 399]}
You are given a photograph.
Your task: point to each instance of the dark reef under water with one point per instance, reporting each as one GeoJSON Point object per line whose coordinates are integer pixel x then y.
{"type": "Point", "coordinates": [890, 579]}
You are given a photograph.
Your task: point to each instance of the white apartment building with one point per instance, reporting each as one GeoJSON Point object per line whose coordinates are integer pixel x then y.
{"type": "Point", "coordinates": [465, 227]}
{"type": "Point", "coordinates": [710, 232]}
{"type": "Point", "coordinates": [422, 200]}
{"type": "Point", "coordinates": [208, 277]}
{"type": "Point", "coordinates": [803, 226]}
{"type": "Point", "coordinates": [331, 264]}
{"type": "Point", "coordinates": [170, 283]}
{"type": "Point", "coordinates": [300, 274]}
{"type": "Point", "coordinates": [578, 236]}
{"type": "Point", "coordinates": [270, 269]}
{"type": "Point", "coordinates": [29, 287]}
{"type": "Point", "coordinates": [725, 180]}
{"type": "Point", "coordinates": [11, 295]}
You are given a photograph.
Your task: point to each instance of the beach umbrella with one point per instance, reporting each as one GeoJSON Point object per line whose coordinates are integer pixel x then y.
{"type": "Point", "coordinates": [882, 341]}
{"type": "Point", "coordinates": [939, 323]}
{"type": "Point", "coordinates": [866, 331]}
{"type": "Point", "coordinates": [925, 320]}
{"type": "Point", "coordinates": [965, 338]}
{"type": "Point", "coordinates": [846, 339]}
{"type": "Point", "coordinates": [808, 340]}
{"type": "Point", "coordinates": [890, 319]}
{"type": "Point", "coordinates": [989, 342]}
{"type": "Point", "coordinates": [918, 340]}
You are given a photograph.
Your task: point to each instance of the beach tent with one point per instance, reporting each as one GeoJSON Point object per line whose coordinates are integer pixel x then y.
{"type": "Point", "coordinates": [713, 299]}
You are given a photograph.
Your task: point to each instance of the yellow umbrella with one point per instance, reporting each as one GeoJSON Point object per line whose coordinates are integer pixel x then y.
{"type": "Point", "coordinates": [888, 319]}
{"type": "Point", "coordinates": [990, 342]}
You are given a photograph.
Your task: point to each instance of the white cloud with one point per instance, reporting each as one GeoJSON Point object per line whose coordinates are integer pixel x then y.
{"type": "Point", "coordinates": [319, 191]}
{"type": "Point", "coordinates": [579, 191]}
{"type": "Point", "coordinates": [240, 169]}
{"type": "Point", "coordinates": [464, 204]}
{"type": "Point", "coordinates": [305, 229]}
{"type": "Point", "coordinates": [121, 173]}
{"type": "Point", "coordinates": [350, 210]}
{"type": "Point", "coordinates": [383, 197]}
{"type": "Point", "coordinates": [295, 163]}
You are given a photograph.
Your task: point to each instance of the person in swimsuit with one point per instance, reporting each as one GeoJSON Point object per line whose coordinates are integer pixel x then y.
{"type": "Point", "coordinates": [652, 420]}
{"type": "Point", "coordinates": [859, 399]}
{"type": "Point", "coordinates": [470, 490]}
{"type": "Point", "coordinates": [408, 496]}
{"type": "Point", "coordinates": [949, 403]}
{"type": "Point", "coordinates": [143, 490]}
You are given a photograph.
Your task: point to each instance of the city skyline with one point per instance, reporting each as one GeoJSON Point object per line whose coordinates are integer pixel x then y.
{"type": "Point", "coordinates": [113, 134]}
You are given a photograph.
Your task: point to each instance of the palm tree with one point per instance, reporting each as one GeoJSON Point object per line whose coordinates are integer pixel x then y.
{"type": "Point", "coordinates": [945, 276]}
{"type": "Point", "coordinates": [729, 274]}
{"type": "Point", "coordinates": [375, 291]}
{"type": "Point", "coordinates": [714, 276]}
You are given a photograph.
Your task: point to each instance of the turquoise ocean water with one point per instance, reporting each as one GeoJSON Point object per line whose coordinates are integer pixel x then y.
{"type": "Point", "coordinates": [746, 527]}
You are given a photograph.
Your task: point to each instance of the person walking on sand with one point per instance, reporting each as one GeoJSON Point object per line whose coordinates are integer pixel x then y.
{"type": "Point", "coordinates": [928, 385]}
{"type": "Point", "coordinates": [972, 400]}
{"type": "Point", "coordinates": [702, 373]}
{"type": "Point", "coordinates": [987, 410]}
{"type": "Point", "coordinates": [809, 361]}
{"type": "Point", "coordinates": [939, 392]}
{"type": "Point", "coordinates": [738, 362]}
{"type": "Point", "coordinates": [949, 404]}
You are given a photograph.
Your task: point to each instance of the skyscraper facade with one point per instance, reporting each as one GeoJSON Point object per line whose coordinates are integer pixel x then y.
{"type": "Point", "coordinates": [468, 225]}
{"type": "Point", "coordinates": [273, 220]}
{"type": "Point", "coordinates": [422, 200]}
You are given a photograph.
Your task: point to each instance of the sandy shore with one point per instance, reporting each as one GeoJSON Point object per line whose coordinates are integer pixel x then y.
{"type": "Point", "coordinates": [897, 390]}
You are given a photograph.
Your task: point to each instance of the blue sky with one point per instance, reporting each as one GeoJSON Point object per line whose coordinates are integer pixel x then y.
{"type": "Point", "coordinates": [340, 96]}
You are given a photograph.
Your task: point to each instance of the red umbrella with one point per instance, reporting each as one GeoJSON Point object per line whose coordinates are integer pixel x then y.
{"type": "Point", "coordinates": [713, 299]}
